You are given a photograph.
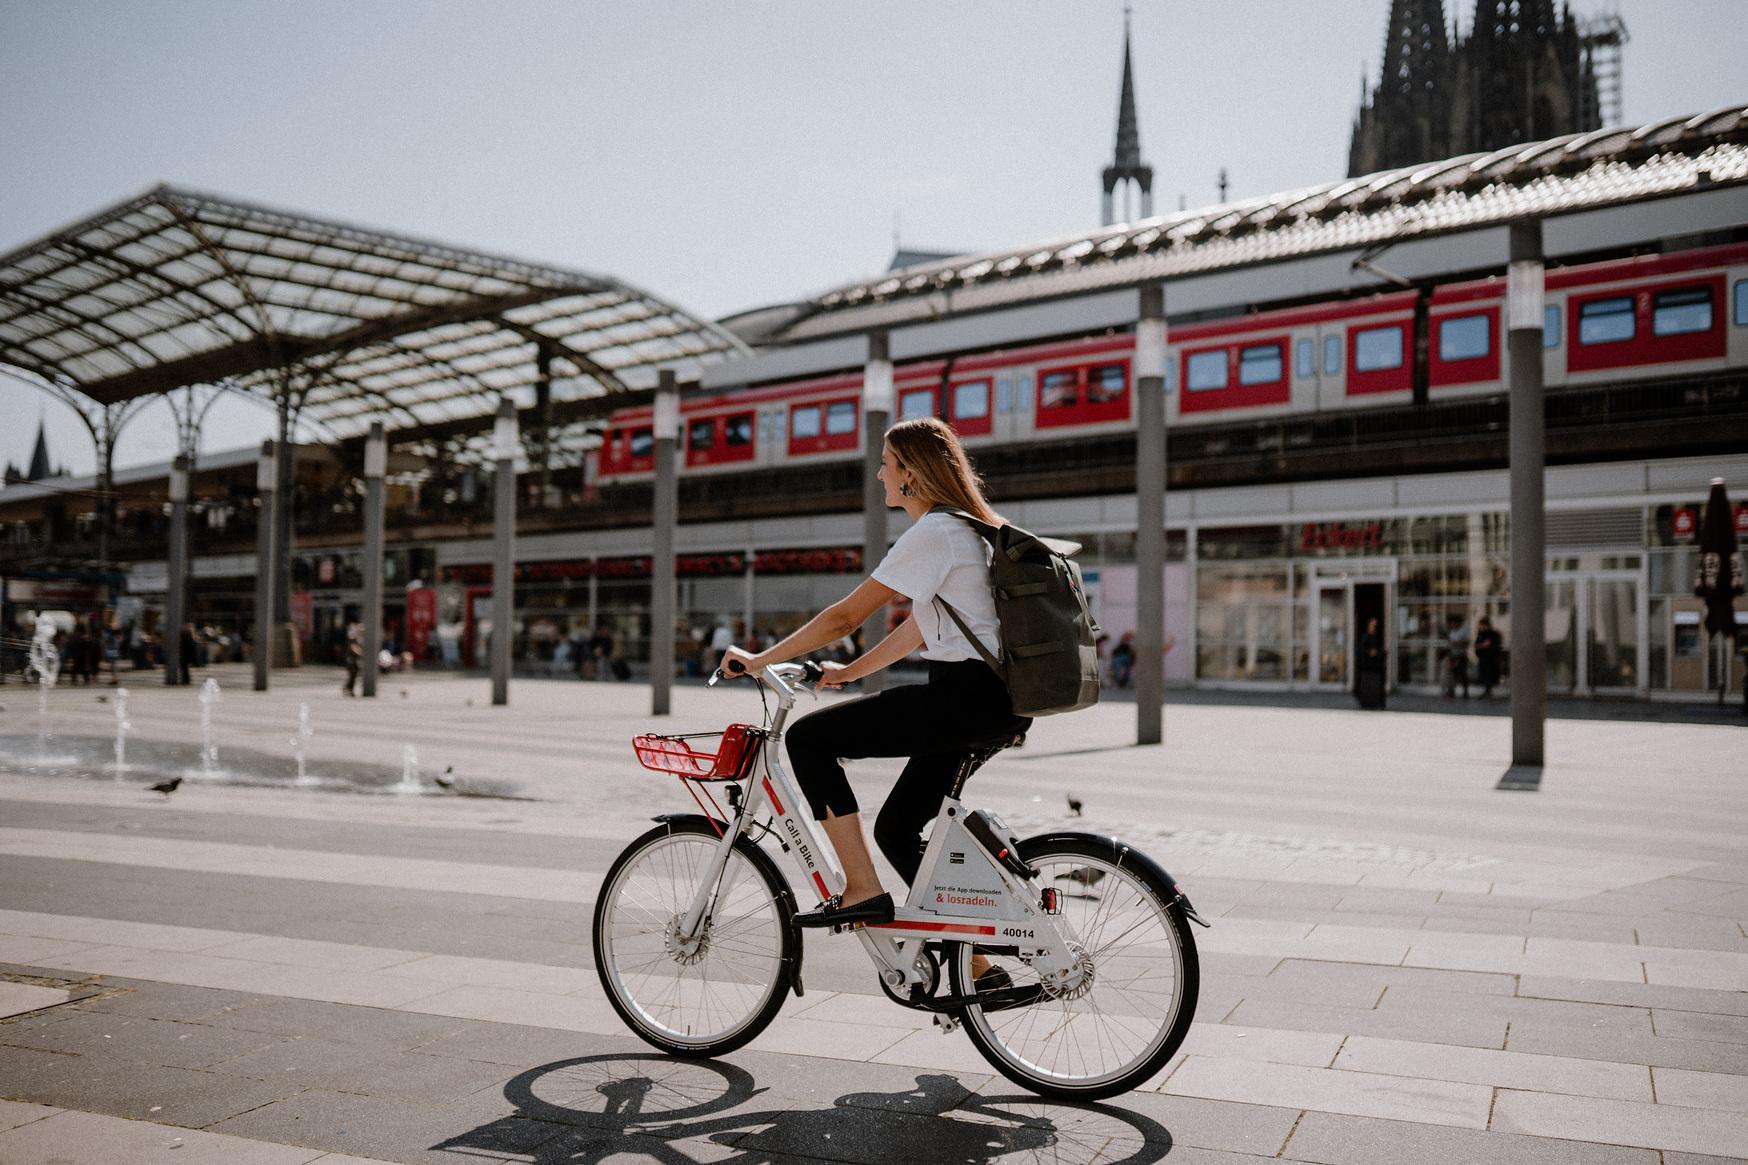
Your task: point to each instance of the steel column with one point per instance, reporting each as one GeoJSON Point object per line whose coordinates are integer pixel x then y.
{"type": "Point", "coordinates": [1150, 356]}
{"type": "Point", "coordinates": [1529, 661]}
{"type": "Point", "coordinates": [663, 513]}
{"type": "Point", "coordinates": [375, 468]}
{"type": "Point", "coordinates": [877, 400]}
{"type": "Point", "coordinates": [175, 599]}
{"type": "Point", "coordinates": [284, 481]}
{"type": "Point", "coordinates": [266, 570]}
{"type": "Point", "coordinates": [505, 448]}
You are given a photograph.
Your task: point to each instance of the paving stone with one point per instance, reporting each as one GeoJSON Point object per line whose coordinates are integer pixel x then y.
{"type": "Point", "coordinates": [509, 1043]}
{"type": "Point", "coordinates": [1513, 1009]}
{"type": "Point", "coordinates": [1652, 995]}
{"type": "Point", "coordinates": [1344, 985]}
{"type": "Point", "coordinates": [1314, 975]}
{"type": "Point", "coordinates": [1326, 917]}
{"type": "Point", "coordinates": [461, 1130]}
{"type": "Point", "coordinates": [13, 1114]}
{"type": "Point", "coordinates": [384, 1029]}
{"type": "Point", "coordinates": [1693, 1025]}
{"type": "Point", "coordinates": [1618, 1122]}
{"type": "Point", "coordinates": [149, 1041]}
{"type": "Point", "coordinates": [1460, 1028]}
{"type": "Point", "coordinates": [137, 1090]}
{"type": "Point", "coordinates": [92, 1139]}
{"type": "Point", "coordinates": [1696, 1055]}
{"type": "Point", "coordinates": [1496, 1069]}
{"type": "Point", "coordinates": [1337, 1139]}
{"type": "Point", "coordinates": [1192, 1122]}
{"type": "Point", "coordinates": [1329, 1090]}
{"type": "Point", "coordinates": [166, 1000]}
{"type": "Point", "coordinates": [1701, 1089]}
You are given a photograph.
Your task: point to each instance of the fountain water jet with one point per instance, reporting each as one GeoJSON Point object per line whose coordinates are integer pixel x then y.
{"type": "Point", "coordinates": [122, 726]}
{"type": "Point", "coordinates": [209, 695]}
{"type": "Point", "coordinates": [45, 659]}
{"type": "Point", "coordinates": [409, 782]}
{"type": "Point", "coordinates": [300, 741]}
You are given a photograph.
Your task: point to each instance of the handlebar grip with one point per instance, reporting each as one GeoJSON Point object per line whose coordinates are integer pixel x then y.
{"type": "Point", "coordinates": [811, 671]}
{"type": "Point", "coordinates": [732, 667]}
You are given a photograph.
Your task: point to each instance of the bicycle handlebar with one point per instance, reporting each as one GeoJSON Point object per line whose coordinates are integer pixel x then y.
{"type": "Point", "coordinates": [779, 675]}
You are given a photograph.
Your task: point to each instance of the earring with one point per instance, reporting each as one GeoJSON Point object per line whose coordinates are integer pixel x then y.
{"type": "Point", "coordinates": [905, 490]}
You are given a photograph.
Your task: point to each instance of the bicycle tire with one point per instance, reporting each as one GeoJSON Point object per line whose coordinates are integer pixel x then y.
{"type": "Point", "coordinates": [1124, 909]}
{"type": "Point", "coordinates": [667, 995]}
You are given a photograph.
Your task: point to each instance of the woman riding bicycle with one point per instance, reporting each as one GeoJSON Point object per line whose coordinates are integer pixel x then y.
{"type": "Point", "coordinates": [964, 702]}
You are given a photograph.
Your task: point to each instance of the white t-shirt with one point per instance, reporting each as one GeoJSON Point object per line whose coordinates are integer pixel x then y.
{"type": "Point", "coordinates": [942, 555]}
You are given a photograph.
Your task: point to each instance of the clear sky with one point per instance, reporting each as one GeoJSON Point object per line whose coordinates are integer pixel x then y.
{"type": "Point", "coordinates": [721, 153]}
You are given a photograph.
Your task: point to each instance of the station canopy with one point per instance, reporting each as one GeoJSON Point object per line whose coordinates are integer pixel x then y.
{"type": "Point", "coordinates": [344, 325]}
{"type": "Point", "coordinates": [1564, 175]}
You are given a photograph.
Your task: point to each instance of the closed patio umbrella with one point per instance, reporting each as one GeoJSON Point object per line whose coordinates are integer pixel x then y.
{"type": "Point", "coordinates": [1720, 574]}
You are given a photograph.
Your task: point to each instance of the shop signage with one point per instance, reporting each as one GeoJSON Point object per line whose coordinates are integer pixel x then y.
{"type": "Point", "coordinates": [421, 619]}
{"type": "Point", "coordinates": [325, 572]}
{"type": "Point", "coordinates": [303, 615]}
{"type": "Point", "coordinates": [831, 560]}
{"type": "Point", "coordinates": [1742, 521]}
{"type": "Point", "coordinates": [51, 592]}
{"type": "Point", "coordinates": [1341, 536]}
{"type": "Point", "coordinates": [837, 560]}
{"type": "Point", "coordinates": [1685, 522]}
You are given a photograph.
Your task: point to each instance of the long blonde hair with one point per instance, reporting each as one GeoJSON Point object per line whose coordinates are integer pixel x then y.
{"type": "Point", "coordinates": [942, 473]}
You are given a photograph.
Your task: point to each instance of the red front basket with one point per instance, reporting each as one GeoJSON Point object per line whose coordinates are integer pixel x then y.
{"type": "Point", "coordinates": [685, 756]}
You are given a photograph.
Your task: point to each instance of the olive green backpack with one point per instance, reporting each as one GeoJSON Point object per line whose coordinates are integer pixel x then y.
{"type": "Point", "coordinates": [1049, 657]}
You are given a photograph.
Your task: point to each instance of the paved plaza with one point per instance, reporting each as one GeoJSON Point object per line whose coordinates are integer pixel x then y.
{"type": "Point", "coordinates": [1406, 963]}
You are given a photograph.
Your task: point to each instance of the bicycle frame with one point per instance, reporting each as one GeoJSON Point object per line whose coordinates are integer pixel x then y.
{"type": "Point", "coordinates": [961, 894]}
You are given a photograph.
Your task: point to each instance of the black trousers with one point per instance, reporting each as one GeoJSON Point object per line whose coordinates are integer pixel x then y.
{"type": "Point", "coordinates": [934, 724]}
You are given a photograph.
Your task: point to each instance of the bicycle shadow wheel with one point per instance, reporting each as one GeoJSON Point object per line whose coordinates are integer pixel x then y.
{"type": "Point", "coordinates": [628, 1090]}
{"type": "Point", "coordinates": [1104, 1131]}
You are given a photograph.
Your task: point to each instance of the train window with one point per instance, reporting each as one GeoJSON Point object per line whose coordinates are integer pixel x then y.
{"type": "Point", "coordinates": [840, 417]}
{"type": "Point", "coordinates": [642, 442]}
{"type": "Point", "coordinates": [1551, 326]}
{"type": "Point", "coordinates": [1606, 321]}
{"type": "Point", "coordinates": [1259, 364]}
{"type": "Point", "coordinates": [1023, 392]}
{"type": "Point", "coordinates": [738, 430]}
{"type": "Point", "coordinates": [916, 402]}
{"type": "Point", "coordinates": [1464, 338]}
{"type": "Point", "coordinates": [1302, 359]}
{"type": "Point", "coordinates": [1170, 377]}
{"type": "Point", "coordinates": [1104, 383]}
{"type": "Point", "coordinates": [1332, 355]}
{"type": "Point", "coordinates": [1741, 312]}
{"type": "Point", "coordinates": [1059, 389]}
{"type": "Point", "coordinates": [1377, 348]}
{"type": "Point", "coordinates": [1004, 394]}
{"type": "Point", "coordinates": [702, 434]}
{"type": "Point", "coordinates": [1684, 310]}
{"type": "Point", "coordinates": [1206, 370]}
{"type": "Point", "coordinates": [804, 421]}
{"type": "Point", "coordinates": [971, 399]}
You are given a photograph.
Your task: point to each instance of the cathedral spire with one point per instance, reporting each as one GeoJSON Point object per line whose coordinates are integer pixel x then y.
{"type": "Point", "coordinates": [39, 458]}
{"type": "Point", "coordinates": [1127, 166]}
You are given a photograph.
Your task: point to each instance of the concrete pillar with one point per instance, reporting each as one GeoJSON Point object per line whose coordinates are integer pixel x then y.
{"type": "Point", "coordinates": [375, 468]}
{"type": "Point", "coordinates": [175, 599]}
{"type": "Point", "coordinates": [266, 569]}
{"type": "Point", "coordinates": [1150, 357]}
{"type": "Point", "coordinates": [505, 446]}
{"type": "Point", "coordinates": [543, 406]}
{"type": "Point", "coordinates": [284, 479]}
{"type": "Point", "coordinates": [1529, 659]}
{"type": "Point", "coordinates": [663, 512]}
{"type": "Point", "coordinates": [877, 401]}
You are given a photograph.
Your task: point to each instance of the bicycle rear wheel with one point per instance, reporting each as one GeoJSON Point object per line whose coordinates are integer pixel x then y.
{"type": "Point", "coordinates": [1130, 1007]}
{"type": "Point", "coordinates": [713, 992]}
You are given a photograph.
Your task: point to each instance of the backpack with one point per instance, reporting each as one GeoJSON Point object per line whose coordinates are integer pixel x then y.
{"type": "Point", "coordinates": [1049, 659]}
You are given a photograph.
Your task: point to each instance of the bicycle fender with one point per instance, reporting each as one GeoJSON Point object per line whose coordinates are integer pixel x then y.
{"type": "Point", "coordinates": [759, 858]}
{"type": "Point", "coordinates": [1125, 853]}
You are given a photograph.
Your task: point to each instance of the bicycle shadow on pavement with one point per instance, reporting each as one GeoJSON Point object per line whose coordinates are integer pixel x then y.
{"type": "Point", "coordinates": [684, 1112]}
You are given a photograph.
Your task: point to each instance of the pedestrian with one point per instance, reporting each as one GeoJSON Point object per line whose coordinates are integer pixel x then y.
{"type": "Point", "coordinates": [1123, 660]}
{"type": "Point", "coordinates": [601, 650]}
{"type": "Point", "coordinates": [186, 648]}
{"type": "Point", "coordinates": [1456, 657]}
{"type": "Point", "coordinates": [1370, 668]}
{"type": "Point", "coordinates": [1489, 647]}
{"type": "Point", "coordinates": [353, 651]}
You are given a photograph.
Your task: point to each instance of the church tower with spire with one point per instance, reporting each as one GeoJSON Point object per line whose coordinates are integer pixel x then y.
{"type": "Point", "coordinates": [1127, 167]}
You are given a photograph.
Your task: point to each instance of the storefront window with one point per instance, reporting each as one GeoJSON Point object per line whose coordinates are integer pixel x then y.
{"type": "Point", "coordinates": [1243, 620]}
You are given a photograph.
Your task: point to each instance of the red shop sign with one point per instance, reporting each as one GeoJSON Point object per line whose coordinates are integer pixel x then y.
{"type": "Point", "coordinates": [1742, 520]}
{"type": "Point", "coordinates": [1685, 522]}
{"type": "Point", "coordinates": [1341, 536]}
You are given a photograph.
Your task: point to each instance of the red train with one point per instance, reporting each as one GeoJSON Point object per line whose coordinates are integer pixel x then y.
{"type": "Point", "coordinates": [1673, 314]}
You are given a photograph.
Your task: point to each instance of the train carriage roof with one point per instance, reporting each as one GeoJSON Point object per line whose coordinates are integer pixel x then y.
{"type": "Point", "coordinates": [1564, 175]}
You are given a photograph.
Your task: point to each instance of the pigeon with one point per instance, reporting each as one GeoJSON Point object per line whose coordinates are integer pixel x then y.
{"type": "Point", "coordinates": [1073, 805]}
{"type": "Point", "coordinates": [443, 782]}
{"type": "Point", "coordinates": [1085, 875]}
{"type": "Point", "coordinates": [167, 787]}
{"type": "Point", "coordinates": [403, 693]}
{"type": "Point", "coordinates": [102, 699]}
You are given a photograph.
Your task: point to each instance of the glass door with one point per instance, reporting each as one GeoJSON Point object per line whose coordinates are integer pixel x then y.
{"type": "Point", "coordinates": [1561, 628]}
{"type": "Point", "coordinates": [1595, 633]}
{"type": "Point", "coordinates": [1330, 625]}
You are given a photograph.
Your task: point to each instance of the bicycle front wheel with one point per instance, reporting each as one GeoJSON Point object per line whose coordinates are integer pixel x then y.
{"type": "Point", "coordinates": [706, 993]}
{"type": "Point", "coordinates": [1128, 1004]}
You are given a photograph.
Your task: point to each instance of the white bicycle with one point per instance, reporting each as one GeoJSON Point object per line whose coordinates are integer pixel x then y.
{"type": "Point", "coordinates": [696, 947]}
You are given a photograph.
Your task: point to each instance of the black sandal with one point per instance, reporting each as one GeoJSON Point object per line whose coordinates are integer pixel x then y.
{"type": "Point", "coordinates": [833, 913]}
{"type": "Point", "coordinates": [998, 986]}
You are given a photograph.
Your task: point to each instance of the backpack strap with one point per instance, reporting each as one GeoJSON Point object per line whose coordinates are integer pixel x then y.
{"type": "Point", "coordinates": [976, 643]}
